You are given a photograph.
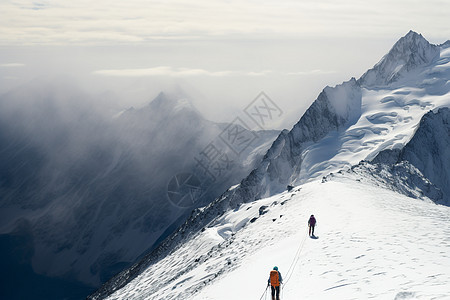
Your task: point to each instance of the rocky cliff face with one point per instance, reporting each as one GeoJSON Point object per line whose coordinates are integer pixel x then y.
{"type": "Point", "coordinates": [334, 109]}
{"type": "Point", "coordinates": [426, 157]}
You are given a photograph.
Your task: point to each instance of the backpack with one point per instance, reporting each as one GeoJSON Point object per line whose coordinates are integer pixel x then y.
{"type": "Point", "coordinates": [274, 278]}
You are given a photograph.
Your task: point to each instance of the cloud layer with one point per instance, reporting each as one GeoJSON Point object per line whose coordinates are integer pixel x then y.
{"type": "Point", "coordinates": [136, 21]}
{"type": "Point", "coordinates": [12, 65]}
{"type": "Point", "coordinates": [187, 72]}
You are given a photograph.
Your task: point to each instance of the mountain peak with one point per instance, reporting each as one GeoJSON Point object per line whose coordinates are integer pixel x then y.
{"type": "Point", "coordinates": [162, 100]}
{"type": "Point", "coordinates": [165, 102]}
{"type": "Point", "coordinates": [412, 41]}
{"type": "Point", "coordinates": [408, 53]}
{"type": "Point", "coordinates": [164, 106]}
{"type": "Point", "coordinates": [413, 33]}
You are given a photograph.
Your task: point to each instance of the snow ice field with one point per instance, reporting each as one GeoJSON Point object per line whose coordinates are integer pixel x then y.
{"type": "Point", "coordinates": [388, 119]}
{"type": "Point", "coordinates": [372, 243]}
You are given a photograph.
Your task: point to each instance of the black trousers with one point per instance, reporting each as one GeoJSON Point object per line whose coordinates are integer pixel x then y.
{"type": "Point", "coordinates": [276, 290]}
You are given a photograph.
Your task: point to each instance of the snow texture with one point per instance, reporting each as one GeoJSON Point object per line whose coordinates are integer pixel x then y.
{"type": "Point", "coordinates": [370, 243]}
{"type": "Point", "coordinates": [427, 155]}
{"type": "Point", "coordinates": [377, 240]}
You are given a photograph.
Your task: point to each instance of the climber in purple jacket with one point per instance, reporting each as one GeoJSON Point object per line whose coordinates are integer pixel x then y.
{"type": "Point", "coordinates": [311, 224]}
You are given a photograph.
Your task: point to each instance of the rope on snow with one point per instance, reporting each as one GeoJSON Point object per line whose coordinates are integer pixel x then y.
{"type": "Point", "coordinates": [294, 261]}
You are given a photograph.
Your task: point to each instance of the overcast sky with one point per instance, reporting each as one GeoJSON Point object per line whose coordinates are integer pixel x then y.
{"type": "Point", "coordinates": [221, 54]}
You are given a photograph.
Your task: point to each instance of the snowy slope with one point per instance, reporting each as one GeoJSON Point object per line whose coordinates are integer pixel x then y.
{"type": "Point", "coordinates": [372, 243]}
{"type": "Point", "coordinates": [422, 167]}
{"type": "Point", "coordinates": [348, 123]}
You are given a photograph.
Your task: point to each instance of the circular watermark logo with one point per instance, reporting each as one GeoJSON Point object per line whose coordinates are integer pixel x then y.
{"type": "Point", "coordinates": [184, 190]}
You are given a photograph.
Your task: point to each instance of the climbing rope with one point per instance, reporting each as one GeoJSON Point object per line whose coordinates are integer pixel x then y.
{"type": "Point", "coordinates": [295, 260]}
{"type": "Point", "coordinates": [292, 266]}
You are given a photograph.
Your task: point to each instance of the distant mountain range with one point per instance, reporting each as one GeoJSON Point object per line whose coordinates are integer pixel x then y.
{"type": "Point", "coordinates": [84, 195]}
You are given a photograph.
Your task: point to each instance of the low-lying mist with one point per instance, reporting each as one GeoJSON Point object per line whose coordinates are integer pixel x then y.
{"type": "Point", "coordinates": [88, 190]}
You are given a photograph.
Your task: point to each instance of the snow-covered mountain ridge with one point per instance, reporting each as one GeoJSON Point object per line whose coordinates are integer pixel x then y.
{"type": "Point", "coordinates": [349, 123]}
{"type": "Point", "coordinates": [348, 132]}
{"type": "Point", "coordinates": [371, 243]}
{"type": "Point", "coordinates": [410, 52]}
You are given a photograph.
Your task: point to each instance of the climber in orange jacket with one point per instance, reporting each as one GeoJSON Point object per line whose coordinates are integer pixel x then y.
{"type": "Point", "coordinates": [274, 281]}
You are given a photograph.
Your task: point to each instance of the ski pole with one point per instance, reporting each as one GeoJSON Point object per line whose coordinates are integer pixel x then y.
{"type": "Point", "coordinates": [265, 292]}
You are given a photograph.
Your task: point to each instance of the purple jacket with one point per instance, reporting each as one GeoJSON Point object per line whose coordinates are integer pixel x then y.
{"type": "Point", "coordinates": [312, 221]}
